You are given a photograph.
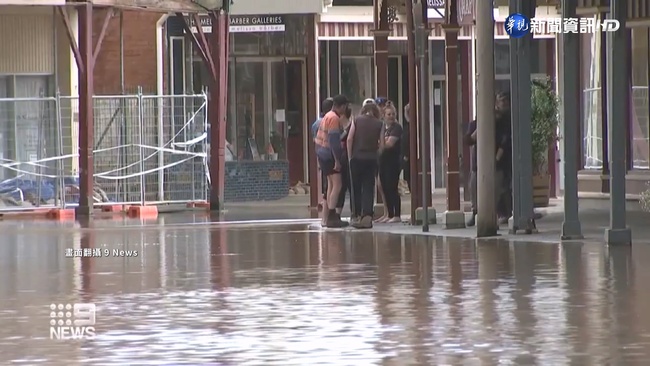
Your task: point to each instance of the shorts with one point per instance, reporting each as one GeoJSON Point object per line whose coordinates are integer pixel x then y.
{"type": "Point", "coordinates": [326, 163]}
{"type": "Point", "coordinates": [327, 166]}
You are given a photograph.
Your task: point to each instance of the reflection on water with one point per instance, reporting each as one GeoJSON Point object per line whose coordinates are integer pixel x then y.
{"type": "Point", "coordinates": [290, 296]}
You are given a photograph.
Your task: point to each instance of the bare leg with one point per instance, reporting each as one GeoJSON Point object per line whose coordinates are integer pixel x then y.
{"type": "Point", "coordinates": [333, 189]}
{"type": "Point", "coordinates": [324, 212]}
{"type": "Point", "coordinates": [325, 201]}
{"type": "Point", "coordinates": [384, 217]}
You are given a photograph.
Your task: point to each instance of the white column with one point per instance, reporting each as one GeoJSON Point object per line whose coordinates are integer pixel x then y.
{"type": "Point", "coordinates": [473, 61]}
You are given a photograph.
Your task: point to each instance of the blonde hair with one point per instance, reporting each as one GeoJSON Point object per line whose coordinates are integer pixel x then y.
{"type": "Point", "coordinates": [390, 107]}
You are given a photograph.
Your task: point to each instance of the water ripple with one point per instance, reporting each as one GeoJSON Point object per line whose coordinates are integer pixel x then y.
{"type": "Point", "coordinates": [260, 297]}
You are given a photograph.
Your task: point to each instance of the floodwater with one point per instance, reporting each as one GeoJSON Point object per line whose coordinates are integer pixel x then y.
{"type": "Point", "coordinates": [286, 295]}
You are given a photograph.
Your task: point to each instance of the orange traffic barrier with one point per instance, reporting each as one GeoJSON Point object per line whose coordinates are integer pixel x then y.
{"type": "Point", "coordinates": [200, 204]}
{"type": "Point", "coordinates": [203, 204]}
{"type": "Point", "coordinates": [113, 208]}
{"type": "Point", "coordinates": [61, 214]}
{"type": "Point", "coordinates": [142, 211]}
{"type": "Point", "coordinates": [40, 213]}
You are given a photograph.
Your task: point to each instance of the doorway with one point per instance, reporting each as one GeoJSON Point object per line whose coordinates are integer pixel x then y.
{"type": "Point", "coordinates": [295, 106]}
{"type": "Point", "coordinates": [267, 105]}
{"type": "Point", "coordinates": [357, 80]}
{"type": "Point", "coordinates": [396, 85]}
{"type": "Point", "coordinates": [438, 131]}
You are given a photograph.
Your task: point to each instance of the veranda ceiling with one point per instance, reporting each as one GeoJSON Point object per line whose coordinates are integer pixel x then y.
{"type": "Point", "coordinates": [165, 6]}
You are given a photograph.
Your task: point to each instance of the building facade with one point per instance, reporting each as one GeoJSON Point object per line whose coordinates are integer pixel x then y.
{"type": "Point", "coordinates": [593, 147]}
{"type": "Point", "coordinates": [271, 98]}
{"type": "Point", "coordinates": [275, 88]}
{"type": "Point", "coordinates": [32, 66]}
{"type": "Point", "coordinates": [347, 64]}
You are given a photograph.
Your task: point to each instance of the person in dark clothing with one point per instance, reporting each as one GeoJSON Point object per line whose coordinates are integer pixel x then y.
{"type": "Point", "coordinates": [345, 163]}
{"type": "Point", "coordinates": [470, 139]}
{"type": "Point", "coordinates": [406, 146]}
{"type": "Point", "coordinates": [503, 160]}
{"type": "Point", "coordinates": [504, 156]}
{"type": "Point", "coordinates": [390, 166]}
{"type": "Point", "coordinates": [326, 106]}
{"type": "Point", "coordinates": [364, 145]}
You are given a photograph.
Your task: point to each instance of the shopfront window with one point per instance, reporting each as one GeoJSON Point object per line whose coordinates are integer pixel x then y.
{"type": "Point", "coordinates": [592, 133]}
{"type": "Point", "coordinates": [231, 126]}
{"type": "Point", "coordinates": [7, 142]}
{"type": "Point", "coordinates": [256, 128]}
{"type": "Point", "coordinates": [27, 128]}
{"type": "Point", "coordinates": [437, 57]}
{"type": "Point", "coordinates": [357, 48]}
{"type": "Point", "coordinates": [264, 70]}
{"type": "Point", "coordinates": [502, 56]}
{"type": "Point", "coordinates": [279, 114]}
{"type": "Point", "coordinates": [640, 101]}
{"type": "Point", "coordinates": [250, 112]}
{"type": "Point", "coordinates": [323, 72]}
{"type": "Point", "coordinates": [357, 80]}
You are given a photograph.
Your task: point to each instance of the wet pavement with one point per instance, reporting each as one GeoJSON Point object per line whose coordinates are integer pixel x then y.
{"type": "Point", "coordinates": [278, 294]}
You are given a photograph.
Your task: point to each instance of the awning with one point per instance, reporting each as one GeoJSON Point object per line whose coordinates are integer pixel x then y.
{"type": "Point", "coordinates": [32, 2]}
{"type": "Point", "coordinates": [362, 31]}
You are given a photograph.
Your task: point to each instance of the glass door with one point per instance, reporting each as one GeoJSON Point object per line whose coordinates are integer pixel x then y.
{"type": "Point", "coordinates": [295, 115]}
{"type": "Point", "coordinates": [7, 142]}
{"type": "Point", "coordinates": [438, 130]}
{"type": "Point", "coordinates": [357, 80]}
{"type": "Point", "coordinates": [395, 84]}
{"type": "Point", "coordinates": [250, 109]}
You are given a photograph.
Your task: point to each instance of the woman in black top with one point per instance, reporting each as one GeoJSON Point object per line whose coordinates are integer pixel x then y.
{"type": "Point", "coordinates": [390, 166]}
{"type": "Point", "coordinates": [345, 167]}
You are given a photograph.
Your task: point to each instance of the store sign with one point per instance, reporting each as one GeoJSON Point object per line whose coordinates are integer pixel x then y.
{"type": "Point", "coordinates": [436, 9]}
{"type": "Point", "coordinates": [466, 11]}
{"type": "Point", "coordinates": [244, 23]}
{"type": "Point", "coordinates": [276, 7]}
{"type": "Point", "coordinates": [435, 4]}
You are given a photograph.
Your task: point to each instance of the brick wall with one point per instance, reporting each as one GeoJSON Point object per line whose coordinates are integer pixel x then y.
{"type": "Point", "coordinates": [256, 180]}
{"type": "Point", "coordinates": [139, 52]}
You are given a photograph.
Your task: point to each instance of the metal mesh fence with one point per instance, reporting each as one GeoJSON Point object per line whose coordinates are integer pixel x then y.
{"type": "Point", "coordinates": [28, 150]}
{"type": "Point", "coordinates": [147, 150]}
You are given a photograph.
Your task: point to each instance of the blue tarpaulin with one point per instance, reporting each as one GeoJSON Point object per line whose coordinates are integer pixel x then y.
{"type": "Point", "coordinates": [29, 187]}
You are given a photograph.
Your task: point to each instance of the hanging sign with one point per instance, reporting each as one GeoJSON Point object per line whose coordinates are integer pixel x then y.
{"type": "Point", "coordinates": [435, 9]}
{"type": "Point", "coordinates": [466, 10]}
{"type": "Point", "coordinates": [436, 4]}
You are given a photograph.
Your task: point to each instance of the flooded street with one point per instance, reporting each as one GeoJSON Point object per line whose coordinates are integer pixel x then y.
{"type": "Point", "coordinates": [177, 291]}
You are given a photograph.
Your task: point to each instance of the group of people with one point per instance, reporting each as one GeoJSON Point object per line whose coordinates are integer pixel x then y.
{"type": "Point", "coordinates": [357, 155]}
{"type": "Point", "coordinates": [503, 156]}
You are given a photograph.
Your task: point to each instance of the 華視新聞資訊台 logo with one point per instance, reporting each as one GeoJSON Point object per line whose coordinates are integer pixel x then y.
{"type": "Point", "coordinates": [517, 25]}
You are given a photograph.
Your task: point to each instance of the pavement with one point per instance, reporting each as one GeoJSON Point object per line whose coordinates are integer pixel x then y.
{"type": "Point", "coordinates": [295, 209]}
{"type": "Point", "coordinates": [594, 221]}
{"type": "Point", "coordinates": [549, 228]}
{"type": "Point", "coordinates": [296, 205]}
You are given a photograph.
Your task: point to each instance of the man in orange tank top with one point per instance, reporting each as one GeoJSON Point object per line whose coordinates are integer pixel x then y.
{"type": "Point", "coordinates": [330, 154]}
